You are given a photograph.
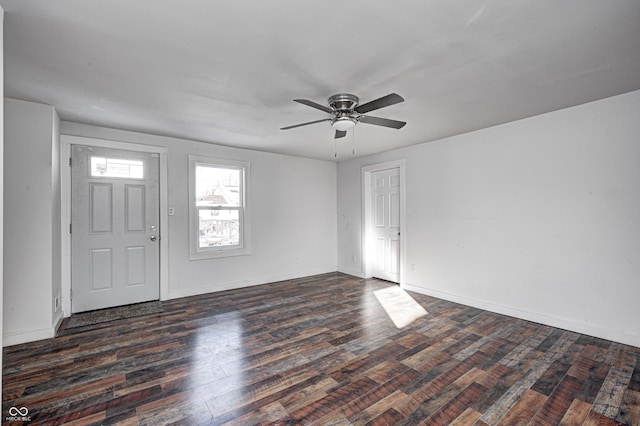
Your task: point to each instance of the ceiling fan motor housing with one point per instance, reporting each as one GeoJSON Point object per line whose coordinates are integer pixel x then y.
{"type": "Point", "coordinates": [343, 102]}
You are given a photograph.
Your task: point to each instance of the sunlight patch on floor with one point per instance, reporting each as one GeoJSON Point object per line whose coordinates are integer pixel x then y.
{"type": "Point", "coordinates": [401, 308]}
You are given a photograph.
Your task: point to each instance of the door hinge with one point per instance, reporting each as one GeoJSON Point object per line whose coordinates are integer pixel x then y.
{"type": "Point", "coordinates": [70, 228]}
{"type": "Point", "coordinates": [70, 162]}
{"type": "Point", "coordinates": [71, 294]}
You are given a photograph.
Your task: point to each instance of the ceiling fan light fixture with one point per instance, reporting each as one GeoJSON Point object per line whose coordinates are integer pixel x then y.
{"type": "Point", "coordinates": [344, 123]}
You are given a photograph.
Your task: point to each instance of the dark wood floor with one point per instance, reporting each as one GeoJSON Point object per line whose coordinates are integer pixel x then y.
{"type": "Point", "coordinates": [323, 350]}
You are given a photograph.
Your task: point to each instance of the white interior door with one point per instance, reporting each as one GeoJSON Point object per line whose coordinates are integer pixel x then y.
{"type": "Point", "coordinates": [386, 224]}
{"type": "Point", "coordinates": [115, 250]}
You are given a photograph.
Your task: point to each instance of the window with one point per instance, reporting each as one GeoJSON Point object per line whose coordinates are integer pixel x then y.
{"type": "Point", "coordinates": [219, 219]}
{"type": "Point", "coordinates": [117, 168]}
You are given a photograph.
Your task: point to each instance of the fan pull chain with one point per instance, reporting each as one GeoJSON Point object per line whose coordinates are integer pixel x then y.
{"type": "Point", "coordinates": [335, 148]}
{"type": "Point", "coordinates": [353, 141]}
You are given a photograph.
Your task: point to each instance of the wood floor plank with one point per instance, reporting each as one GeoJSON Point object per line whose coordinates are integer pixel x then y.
{"type": "Point", "coordinates": [376, 409]}
{"type": "Point", "coordinates": [524, 410]}
{"type": "Point", "coordinates": [177, 408]}
{"type": "Point", "coordinates": [576, 413]}
{"type": "Point", "coordinates": [335, 399]}
{"type": "Point", "coordinates": [630, 407]}
{"type": "Point", "coordinates": [610, 396]}
{"type": "Point", "coordinates": [321, 350]}
{"type": "Point", "coordinates": [445, 413]}
{"type": "Point", "coordinates": [597, 419]}
{"type": "Point", "coordinates": [468, 417]}
{"type": "Point", "coordinates": [515, 357]}
{"type": "Point", "coordinates": [557, 404]}
{"type": "Point", "coordinates": [305, 396]}
{"type": "Point", "coordinates": [550, 379]}
{"type": "Point", "coordinates": [389, 417]}
{"type": "Point", "coordinates": [361, 404]}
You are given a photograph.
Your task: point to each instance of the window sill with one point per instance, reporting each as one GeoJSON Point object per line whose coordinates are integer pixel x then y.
{"type": "Point", "coordinates": [217, 254]}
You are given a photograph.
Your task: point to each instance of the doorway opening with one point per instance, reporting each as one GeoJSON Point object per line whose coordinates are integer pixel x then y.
{"type": "Point", "coordinates": [144, 260]}
{"type": "Point", "coordinates": [384, 221]}
{"type": "Point", "coordinates": [115, 223]}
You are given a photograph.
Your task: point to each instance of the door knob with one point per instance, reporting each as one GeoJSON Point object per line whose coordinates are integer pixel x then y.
{"type": "Point", "coordinates": [153, 238]}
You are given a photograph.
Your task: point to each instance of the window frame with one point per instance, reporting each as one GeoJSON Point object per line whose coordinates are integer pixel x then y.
{"type": "Point", "coordinates": [244, 247]}
{"type": "Point", "coordinates": [142, 161]}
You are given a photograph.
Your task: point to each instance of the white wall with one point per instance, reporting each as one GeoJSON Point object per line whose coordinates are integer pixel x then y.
{"type": "Point", "coordinates": [293, 215]}
{"type": "Point", "coordinates": [293, 218]}
{"type": "Point", "coordinates": [1, 179]}
{"type": "Point", "coordinates": [56, 253]}
{"type": "Point", "coordinates": [538, 218]}
{"type": "Point", "coordinates": [31, 240]}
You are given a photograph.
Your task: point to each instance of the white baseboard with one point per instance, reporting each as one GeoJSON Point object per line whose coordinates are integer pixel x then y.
{"type": "Point", "coordinates": [352, 272]}
{"type": "Point", "coordinates": [28, 336]}
{"type": "Point", "coordinates": [57, 321]}
{"type": "Point", "coordinates": [590, 329]}
{"type": "Point", "coordinates": [19, 337]}
{"type": "Point", "coordinates": [196, 291]}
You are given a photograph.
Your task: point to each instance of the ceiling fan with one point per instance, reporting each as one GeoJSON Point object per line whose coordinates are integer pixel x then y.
{"type": "Point", "coordinates": [346, 113]}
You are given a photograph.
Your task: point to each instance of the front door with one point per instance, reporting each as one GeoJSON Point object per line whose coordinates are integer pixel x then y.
{"type": "Point", "coordinates": [115, 250]}
{"type": "Point", "coordinates": [386, 224]}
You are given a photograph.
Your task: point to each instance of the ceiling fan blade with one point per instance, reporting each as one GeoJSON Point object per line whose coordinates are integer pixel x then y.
{"type": "Point", "coordinates": [382, 102]}
{"type": "Point", "coordinates": [304, 124]}
{"type": "Point", "coordinates": [394, 124]}
{"type": "Point", "coordinates": [314, 105]}
{"type": "Point", "coordinates": [340, 134]}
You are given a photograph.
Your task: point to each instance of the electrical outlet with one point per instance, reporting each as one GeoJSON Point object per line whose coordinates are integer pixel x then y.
{"type": "Point", "coordinates": [354, 259]}
{"type": "Point", "coordinates": [172, 211]}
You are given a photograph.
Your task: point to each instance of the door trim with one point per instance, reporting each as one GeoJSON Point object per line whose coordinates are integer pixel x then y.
{"type": "Point", "coordinates": [65, 205]}
{"type": "Point", "coordinates": [367, 215]}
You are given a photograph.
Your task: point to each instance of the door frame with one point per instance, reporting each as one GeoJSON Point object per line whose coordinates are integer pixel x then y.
{"type": "Point", "coordinates": [367, 216]}
{"type": "Point", "coordinates": [65, 205]}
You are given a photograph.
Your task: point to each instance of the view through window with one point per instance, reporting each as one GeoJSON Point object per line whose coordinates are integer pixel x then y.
{"type": "Point", "coordinates": [117, 168]}
{"type": "Point", "coordinates": [219, 195]}
{"type": "Point", "coordinates": [219, 204]}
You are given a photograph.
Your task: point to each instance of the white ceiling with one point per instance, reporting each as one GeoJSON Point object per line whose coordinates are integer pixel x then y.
{"type": "Point", "coordinates": [226, 71]}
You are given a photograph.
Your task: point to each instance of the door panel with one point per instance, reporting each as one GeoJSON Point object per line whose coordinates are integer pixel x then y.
{"type": "Point", "coordinates": [380, 211]}
{"type": "Point", "coordinates": [135, 208]}
{"type": "Point", "coordinates": [394, 256]}
{"type": "Point", "coordinates": [386, 224]}
{"type": "Point", "coordinates": [135, 266]}
{"type": "Point", "coordinates": [394, 210]}
{"type": "Point", "coordinates": [100, 268]}
{"type": "Point", "coordinates": [380, 254]}
{"type": "Point", "coordinates": [114, 215]}
{"type": "Point", "coordinates": [101, 208]}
